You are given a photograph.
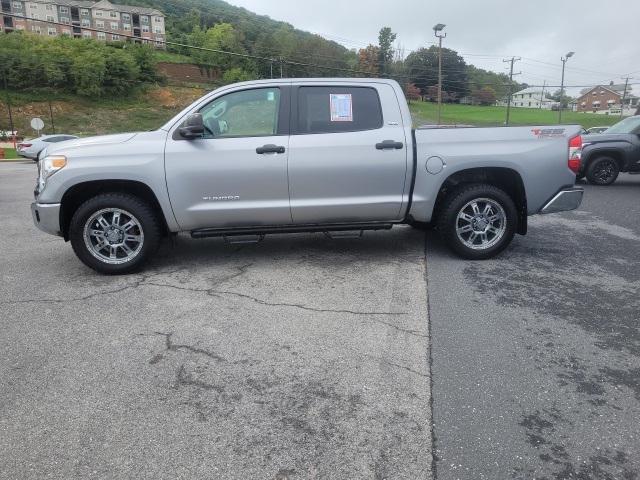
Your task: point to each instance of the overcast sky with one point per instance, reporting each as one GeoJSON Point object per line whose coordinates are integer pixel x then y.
{"type": "Point", "coordinates": [604, 35]}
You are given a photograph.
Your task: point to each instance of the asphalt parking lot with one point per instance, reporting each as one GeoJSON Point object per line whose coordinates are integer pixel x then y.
{"type": "Point", "coordinates": [303, 357]}
{"type": "Point", "coordinates": [300, 357]}
{"type": "Point", "coordinates": [536, 354]}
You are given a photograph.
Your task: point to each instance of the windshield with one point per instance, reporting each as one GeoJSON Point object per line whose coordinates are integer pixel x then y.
{"type": "Point", "coordinates": [628, 125]}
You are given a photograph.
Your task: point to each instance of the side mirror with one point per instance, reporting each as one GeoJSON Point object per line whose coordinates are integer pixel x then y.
{"type": "Point", "coordinates": [193, 127]}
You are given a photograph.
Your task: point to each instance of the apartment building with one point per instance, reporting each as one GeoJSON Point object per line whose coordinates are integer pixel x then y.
{"type": "Point", "coordinates": [75, 18]}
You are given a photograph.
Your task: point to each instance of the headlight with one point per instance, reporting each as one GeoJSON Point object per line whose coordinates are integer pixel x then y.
{"type": "Point", "coordinates": [48, 166]}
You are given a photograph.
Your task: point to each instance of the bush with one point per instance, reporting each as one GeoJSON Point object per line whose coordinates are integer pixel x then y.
{"type": "Point", "coordinates": [82, 66]}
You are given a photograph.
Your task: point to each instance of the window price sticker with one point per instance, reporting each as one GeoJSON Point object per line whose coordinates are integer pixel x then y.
{"type": "Point", "coordinates": [341, 107]}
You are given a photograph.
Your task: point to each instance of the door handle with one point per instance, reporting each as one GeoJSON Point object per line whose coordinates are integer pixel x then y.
{"type": "Point", "coordinates": [270, 149]}
{"type": "Point", "coordinates": [389, 144]}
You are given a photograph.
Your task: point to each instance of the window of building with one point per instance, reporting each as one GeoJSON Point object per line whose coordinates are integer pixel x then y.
{"type": "Point", "coordinates": [17, 6]}
{"type": "Point", "coordinates": [595, 93]}
{"type": "Point", "coordinates": [158, 19]}
{"type": "Point", "coordinates": [49, 7]}
{"type": "Point", "coordinates": [144, 19]}
{"type": "Point", "coordinates": [50, 18]}
{"type": "Point", "coordinates": [157, 30]}
{"type": "Point", "coordinates": [113, 14]}
{"type": "Point", "coordinates": [86, 33]}
{"type": "Point", "coordinates": [99, 24]}
{"type": "Point", "coordinates": [101, 35]}
{"type": "Point", "coordinates": [125, 17]}
{"type": "Point", "coordinates": [115, 38]}
{"type": "Point", "coordinates": [86, 22]}
{"type": "Point", "coordinates": [33, 6]}
{"type": "Point", "coordinates": [114, 25]}
{"type": "Point", "coordinates": [529, 103]}
{"type": "Point", "coordinates": [84, 11]}
{"type": "Point", "coordinates": [126, 27]}
{"type": "Point", "coordinates": [19, 27]}
{"type": "Point", "coordinates": [35, 28]}
{"type": "Point", "coordinates": [247, 113]}
{"type": "Point", "coordinates": [98, 13]}
{"type": "Point", "coordinates": [66, 31]}
{"type": "Point", "coordinates": [52, 31]}
{"type": "Point", "coordinates": [145, 28]}
{"type": "Point", "coordinates": [64, 9]}
{"type": "Point", "coordinates": [338, 109]}
{"type": "Point", "coordinates": [65, 20]}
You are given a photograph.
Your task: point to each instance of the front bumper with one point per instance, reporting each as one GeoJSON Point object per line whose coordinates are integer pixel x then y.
{"type": "Point", "coordinates": [46, 216]}
{"type": "Point", "coordinates": [565, 199]}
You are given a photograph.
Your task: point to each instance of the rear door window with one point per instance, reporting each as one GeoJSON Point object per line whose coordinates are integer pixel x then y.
{"type": "Point", "coordinates": [337, 109]}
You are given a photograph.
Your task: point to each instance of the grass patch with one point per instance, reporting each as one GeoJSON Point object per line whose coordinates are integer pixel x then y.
{"type": "Point", "coordinates": [427, 112]}
{"type": "Point", "coordinates": [10, 154]}
{"type": "Point", "coordinates": [144, 109]}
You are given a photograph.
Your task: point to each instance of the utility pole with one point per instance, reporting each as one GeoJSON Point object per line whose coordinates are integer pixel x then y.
{"type": "Point", "coordinates": [11, 129]}
{"type": "Point", "coordinates": [280, 67]}
{"type": "Point", "coordinates": [624, 95]}
{"type": "Point", "coordinates": [437, 30]}
{"type": "Point", "coordinates": [271, 64]}
{"type": "Point", "coordinates": [544, 84]}
{"type": "Point", "coordinates": [511, 60]}
{"type": "Point", "coordinates": [564, 62]}
{"type": "Point", "coordinates": [53, 127]}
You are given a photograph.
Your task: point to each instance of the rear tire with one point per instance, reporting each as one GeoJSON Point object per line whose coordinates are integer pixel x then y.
{"type": "Point", "coordinates": [115, 233]}
{"type": "Point", "coordinates": [477, 221]}
{"type": "Point", "coordinates": [603, 171]}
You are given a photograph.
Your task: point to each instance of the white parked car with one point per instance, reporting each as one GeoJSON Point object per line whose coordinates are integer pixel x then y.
{"type": "Point", "coordinates": [31, 148]}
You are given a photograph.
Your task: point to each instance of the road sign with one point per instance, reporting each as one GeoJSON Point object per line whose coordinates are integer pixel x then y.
{"type": "Point", "coordinates": [37, 124]}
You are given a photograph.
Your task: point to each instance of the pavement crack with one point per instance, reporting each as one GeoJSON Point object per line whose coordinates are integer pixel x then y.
{"type": "Point", "coordinates": [184, 379]}
{"type": "Point", "coordinates": [174, 347]}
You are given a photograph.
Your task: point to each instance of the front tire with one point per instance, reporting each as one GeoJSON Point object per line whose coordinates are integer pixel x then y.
{"type": "Point", "coordinates": [114, 233]}
{"type": "Point", "coordinates": [603, 171]}
{"type": "Point", "coordinates": [478, 221]}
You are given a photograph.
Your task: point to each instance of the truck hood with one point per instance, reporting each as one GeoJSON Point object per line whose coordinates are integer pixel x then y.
{"type": "Point", "coordinates": [89, 141]}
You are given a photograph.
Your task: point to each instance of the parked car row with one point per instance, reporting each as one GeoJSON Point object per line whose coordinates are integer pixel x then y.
{"type": "Point", "coordinates": [616, 149]}
{"type": "Point", "coordinates": [32, 148]}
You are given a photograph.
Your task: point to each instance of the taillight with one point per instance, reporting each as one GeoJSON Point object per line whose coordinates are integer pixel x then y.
{"type": "Point", "coordinates": [575, 154]}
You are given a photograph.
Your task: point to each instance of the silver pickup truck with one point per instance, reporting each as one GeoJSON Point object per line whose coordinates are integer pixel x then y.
{"type": "Point", "coordinates": [301, 155]}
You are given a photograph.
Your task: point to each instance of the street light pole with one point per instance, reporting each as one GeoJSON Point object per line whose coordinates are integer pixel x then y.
{"type": "Point", "coordinates": [437, 30]}
{"type": "Point", "coordinates": [564, 62]}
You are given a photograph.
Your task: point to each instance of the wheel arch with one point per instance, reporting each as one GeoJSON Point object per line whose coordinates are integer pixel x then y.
{"type": "Point", "coordinates": [614, 153]}
{"type": "Point", "coordinates": [504, 178]}
{"type": "Point", "coordinates": [81, 192]}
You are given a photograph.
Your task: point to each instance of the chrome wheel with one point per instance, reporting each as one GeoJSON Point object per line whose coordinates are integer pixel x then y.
{"type": "Point", "coordinates": [481, 223]}
{"type": "Point", "coordinates": [113, 235]}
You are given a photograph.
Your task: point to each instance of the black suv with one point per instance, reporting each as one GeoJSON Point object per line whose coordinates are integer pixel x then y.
{"type": "Point", "coordinates": [616, 150]}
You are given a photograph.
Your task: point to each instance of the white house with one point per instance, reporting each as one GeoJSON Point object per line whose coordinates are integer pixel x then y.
{"type": "Point", "coordinates": [532, 97]}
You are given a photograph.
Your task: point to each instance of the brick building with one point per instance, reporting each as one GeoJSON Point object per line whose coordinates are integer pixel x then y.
{"type": "Point", "coordinates": [73, 17]}
{"type": "Point", "coordinates": [603, 98]}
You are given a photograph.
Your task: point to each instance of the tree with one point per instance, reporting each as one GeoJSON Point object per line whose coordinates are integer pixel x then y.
{"type": "Point", "coordinates": [484, 96]}
{"type": "Point", "coordinates": [385, 49]}
{"type": "Point", "coordinates": [412, 92]}
{"type": "Point", "coordinates": [563, 99]}
{"type": "Point", "coordinates": [422, 68]}
{"type": "Point", "coordinates": [368, 60]}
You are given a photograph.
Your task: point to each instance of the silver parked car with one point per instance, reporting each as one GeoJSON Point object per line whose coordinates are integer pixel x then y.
{"type": "Point", "coordinates": [31, 148]}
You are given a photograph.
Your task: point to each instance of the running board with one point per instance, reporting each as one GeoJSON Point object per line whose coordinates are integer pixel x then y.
{"type": "Point", "coordinates": [267, 230]}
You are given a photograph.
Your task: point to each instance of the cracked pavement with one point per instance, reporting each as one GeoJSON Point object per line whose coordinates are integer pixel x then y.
{"type": "Point", "coordinates": [536, 359]}
{"type": "Point", "coordinates": [300, 357]}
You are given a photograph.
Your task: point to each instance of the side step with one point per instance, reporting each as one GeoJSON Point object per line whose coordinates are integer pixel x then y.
{"type": "Point", "coordinates": [261, 231]}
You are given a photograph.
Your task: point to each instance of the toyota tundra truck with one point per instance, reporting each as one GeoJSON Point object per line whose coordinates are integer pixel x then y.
{"type": "Point", "coordinates": [301, 155]}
